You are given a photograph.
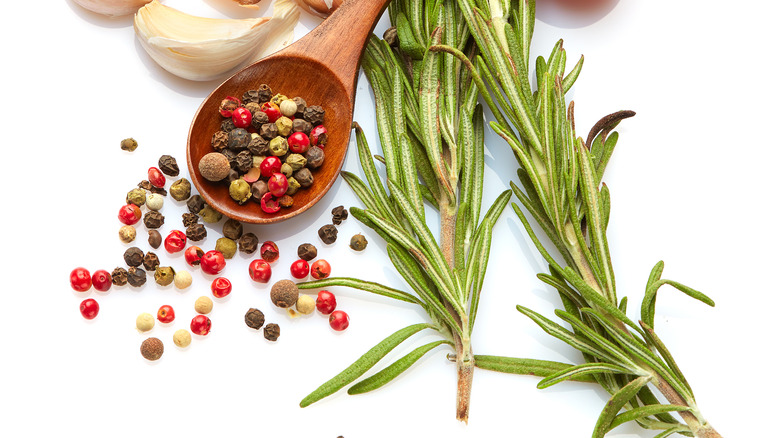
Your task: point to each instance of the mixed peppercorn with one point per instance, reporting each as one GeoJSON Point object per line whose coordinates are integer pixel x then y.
{"type": "Point", "coordinates": [267, 147]}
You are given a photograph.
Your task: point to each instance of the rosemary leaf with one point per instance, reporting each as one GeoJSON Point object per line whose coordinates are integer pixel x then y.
{"type": "Point", "coordinates": [618, 400]}
{"type": "Point", "coordinates": [576, 371]}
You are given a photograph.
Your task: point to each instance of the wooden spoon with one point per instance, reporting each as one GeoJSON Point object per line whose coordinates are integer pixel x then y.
{"type": "Point", "coordinates": [321, 68]}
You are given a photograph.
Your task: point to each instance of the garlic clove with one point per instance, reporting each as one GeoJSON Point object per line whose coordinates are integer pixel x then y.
{"type": "Point", "coordinates": [323, 8]}
{"type": "Point", "coordinates": [200, 49]}
{"type": "Point", "coordinates": [112, 8]}
{"type": "Point", "coordinates": [249, 4]}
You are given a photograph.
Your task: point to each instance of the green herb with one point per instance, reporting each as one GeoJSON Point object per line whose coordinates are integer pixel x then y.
{"type": "Point", "coordinates": [431, 131]}
{"type": "Point", "coordinates": [560, 175]}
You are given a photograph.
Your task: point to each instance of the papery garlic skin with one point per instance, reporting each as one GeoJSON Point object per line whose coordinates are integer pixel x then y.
{"type": "Point", "coordinates": [112, 8]}
{"type": "Point", "coordinates": [201, 49]}
{"type": "Point", "coordinates": [323, 8]}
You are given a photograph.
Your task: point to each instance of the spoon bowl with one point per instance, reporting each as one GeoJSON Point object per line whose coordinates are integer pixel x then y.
{"type": "Point", "coordinates": [322, 69]}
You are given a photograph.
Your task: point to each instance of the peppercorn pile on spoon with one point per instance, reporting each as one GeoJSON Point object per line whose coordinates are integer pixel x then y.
{"type": "Point", "coordinates": [321, 68]}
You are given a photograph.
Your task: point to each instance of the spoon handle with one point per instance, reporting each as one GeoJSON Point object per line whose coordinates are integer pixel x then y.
{"type": "Point", "coordinates": [340, 40]}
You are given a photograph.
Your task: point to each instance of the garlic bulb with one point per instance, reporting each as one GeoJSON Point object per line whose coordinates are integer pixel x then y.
{"type": "Point", "coordinates": [201, 49]}
{"type": "Point", "coordinates": [112, 8]}
{"type": "Point", "coordinates": [323, 8]}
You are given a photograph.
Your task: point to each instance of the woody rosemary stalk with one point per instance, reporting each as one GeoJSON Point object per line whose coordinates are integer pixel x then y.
{"type": "Point", "coordinates": [431, 132]}
{"type": "Point", "coordinates": [560, 175]}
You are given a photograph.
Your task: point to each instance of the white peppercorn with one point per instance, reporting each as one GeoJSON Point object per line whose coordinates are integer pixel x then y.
{"type": "Point", "coordinates": [182, 338]}
{"type": "Point", "coordinates": [154, 201]}
{"type": "Point", "coordinates": [182, 279]}
{"type": "Point", "coordinates": [203, 305]}
{"type": "Point", "coordinates": [144, 322]}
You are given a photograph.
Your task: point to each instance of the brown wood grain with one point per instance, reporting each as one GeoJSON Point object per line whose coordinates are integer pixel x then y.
{"type": "Point", "coordinates": [321, 68]}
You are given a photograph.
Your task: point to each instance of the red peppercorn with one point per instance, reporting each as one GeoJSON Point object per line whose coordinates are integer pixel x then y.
{"type": "Point", "coordinates": [277, 185]}
{"type": "Point", "coordinates": [339, 320]}
{"type": "Point", "coordinates": [101, 279]}
{"type": "Point", "coordinates": [166, 314]}
{"type": "Point", "coordinates": [271, 110]}
{"type": "Point", "coordinates": [80, 280]}
{"type": "Point", "coordinates": [326, 302]}
{"type": "Point", "coordinates": [318, 136]}
{"type": "Point", "coordinates": [228, 105]}
{"type": "Point", "coordinates": [212, 262]}
{"type": "Point", "coordinates": [89, 308]}
{"type": "Point", "coordinates": [200, 325]}
{"type": "Point", "coordinates": [242, 117]}
{"type": "Point", "coordinates": [175, 242]}
{"type": "Point", "coordinates": [298, 142]}
{"type": "Point", "coordinates": [260, 271]}
{"type": "Point", "coordinates": [269, 204]}
{"type": "Point", "coordinates": [269, 251]}
{"type": "Point", "coordinates": [221, 287]}
{"type": "Point", "coordinates": [129, 214]}
{"type": "Point", "coordinates": [270, 165]}
{"type": "Point", "coordinates": [156, 177]}
{"type": "Point", "coordinates": [192, 255]}
{"type": "Point", "coordinates": [299, 269]}
{"type": "Point", "coordinates": [320, 269]}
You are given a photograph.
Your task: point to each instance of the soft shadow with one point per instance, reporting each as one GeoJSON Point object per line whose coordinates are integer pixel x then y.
{"type": "Point", "coordinates": [557, 15]}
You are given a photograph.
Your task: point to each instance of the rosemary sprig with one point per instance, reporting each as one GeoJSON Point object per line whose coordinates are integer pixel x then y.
{"type": "Point", "coordinates": [561, 189]}
{"type": "Point", "coordinates": [431, 131]}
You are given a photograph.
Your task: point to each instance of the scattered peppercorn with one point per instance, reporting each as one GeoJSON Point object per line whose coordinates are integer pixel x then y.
{"type": "Point", "coordinates": [203, 305]}
{"type": "Point", "coordinates": [144, 322]}
{"type": "Point", "coordinates": [152, 349]}
{"type": "Point", "coordinates": [284, 293]}
{"type": "Point", "coordinates": [307, 251]}
{"type": "Point", "coordinates": [146, 185]}
{"type": "Point", "coordinates": [232, 229]}
{"type": "Point", "coordinates": [196, 232]}
{"type": "Point", "coordinates": [254, 318]}
{"type": "Point", "coordinates": [182, 338]}
{"type": "Point", "coordinates": [128, 144]}
{"type": "Point", "coordinates": [164, 275]}
{"type": "Point", "coordinates": [154, 201]}
{"type": "Point", "coordinates": [209, 215]}
{"type": "Point", "coordinates": [153, 219]}
{"type": "Point", "coordinates": [136, 196]}
{"type": "Point", "coordinates": [271, 332]}
{"type": "Point", "coordinates": [227, 247]}
{"type": "Point", "coordinates": [182, 279]}
{"type": "Point", "coordinates": [328, 233]}
{"type": "Point", "coordinates": [305, 304]}
{"type": "Point", "coordinates": [247, 243]}
{"type": "Point", "coordinates": [134, 256]}
{"type": "Point", "coordinates": [181, 189]}
{"type": "Point", "coordinates": [155, 239]}
{"type": "Point", "coordinates": [136, 277]}
{"type": "Point", "coordinates": [151, 261]}
{"type": "Point", "coordinates": [119, 276]}
{"type": "Point", "coordinates": [189, 219]}
{"type": "Point", "coordinates": [339, 215]}
{"type": "Point", "coordinates": [168, 165]}
{"type": "Point", "coordinates": [358, 242]}
{"type": "Point", "coordinates": [195, 204]}
{"type": "Point", "coordinates": [127, 233]}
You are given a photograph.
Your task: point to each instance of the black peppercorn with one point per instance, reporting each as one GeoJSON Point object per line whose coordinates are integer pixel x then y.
{"type": "Point", "coordinates": [328, 233]}
{"type": "Point", "coordinates": [301, 106]}
{"type": "Point", "coordinates": [232, 229]}
{"type": "Point", "coordinates": [271, 332]}
{"type": "Point", "coordinates": [227, 125]}
{"type": "Point", "coordinates": [196, 232]}
{"type": "Point", "coordinates": [155, 239]}
{"type": "Point", "coordinates": [269, 131]}
{"type": "Point", "coordinates": [238, 139]}
{"type": "Point", "coordinates": [301, 125]}
{"type": "Point", "coordinates": [153, 219]}
{"type": "Point", "coordinates": [195, 204]}
{"type": "Point", "coordinates": [151, 261]}
{"type": "Point", "coordinates": [304, 177]}
{"type": "Point", "coordinates": [391, 36]}
{"type": "Point", "coordinates": [358, 242]}
{"type": "Point", "coordinates": [254, 318]}
{"type": "Point", "coordinates": [243, 161]}
{"type": "Point", "coordinates": [259, 119]}
{"type": "Point", "coordinates": [119, 276]}
{"type": "Point", "coordinates": [136, 277]}
{"type": "Point", "coordinates": [250, 96]}
{"type": "Point", "coordinates": [339, 215]}
{"type": "Point", "coordinates": [307, 251]}
{"type": "Point", "coordinates": [314, 157]}
{"type": "Point", "coordinates": [168, 165]}
{"type": "Point", "coordinates": [146, 185]}
{"type": "Point", "coordinates": [189, 219]}
{"type": "Point", "coordinates": [247, 243]}
{"type": "Point", "coordinates": [134, 256]}
{"type": "Point", "coordinates": [264, 93]}
{"type": "Point", "coordinates": [314, 114]}
{"type": "Point", "coordinates": [219, 141]}
{"type": "Point", "coordinates": [258, 145]}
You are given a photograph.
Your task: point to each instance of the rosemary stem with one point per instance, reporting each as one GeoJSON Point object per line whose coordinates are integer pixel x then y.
{"type": "Point", "coordinates": [465, 364]}
{"type": "Point", "coordinates": [700, 427]}
{"type": "Point", "coordinates": [448, 217]}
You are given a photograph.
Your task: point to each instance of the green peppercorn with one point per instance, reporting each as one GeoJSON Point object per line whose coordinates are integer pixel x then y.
{"type": "Point", "coordinates": [296, 161]}
{"type": "Point", "coordinates": [277, 146]}
{"type": "Point", "coordinates": [164, 275]}
{"type": "Point", "coordinates": [180, 190]}
{"type": "Point", "coordinates": [283, 126]}
{"type": "Point", "coordinates": [286, 170]}
{"type": "Point", "coordinates": [209, 215]}
{"type": "Point", "coordinates": [136, 196]}
{"type": "Point", "coordinates": [292, 186]}
{"type": "Point", "coordinates": [278, 98]}
{"type": "Point", "coordinates": [227, 247]}
{"type": "Point", "coordinates": [128, 144]}
{"type": "Point", "coordinates": [358, 242]}
{"type": "Point", "coordinates": [240, 191]}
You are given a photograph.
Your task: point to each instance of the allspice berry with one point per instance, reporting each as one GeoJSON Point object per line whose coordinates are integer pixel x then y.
{"type": "Point", "coordinates": [254, 318]}
{"type": "Point", "coordinates": [214, 166]}
{"type": "Point", "coordinates": [182, 338]}
{"type": "Point", "coordinates": [284, 294]}
{"type": "Point", "coordinates": [152, 349]}
{"type": "Point", "coordinates": [127, 233]}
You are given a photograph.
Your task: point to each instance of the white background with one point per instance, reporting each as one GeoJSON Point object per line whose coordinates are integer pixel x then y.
{"type": "Point", "coordinates": [693, 182]}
